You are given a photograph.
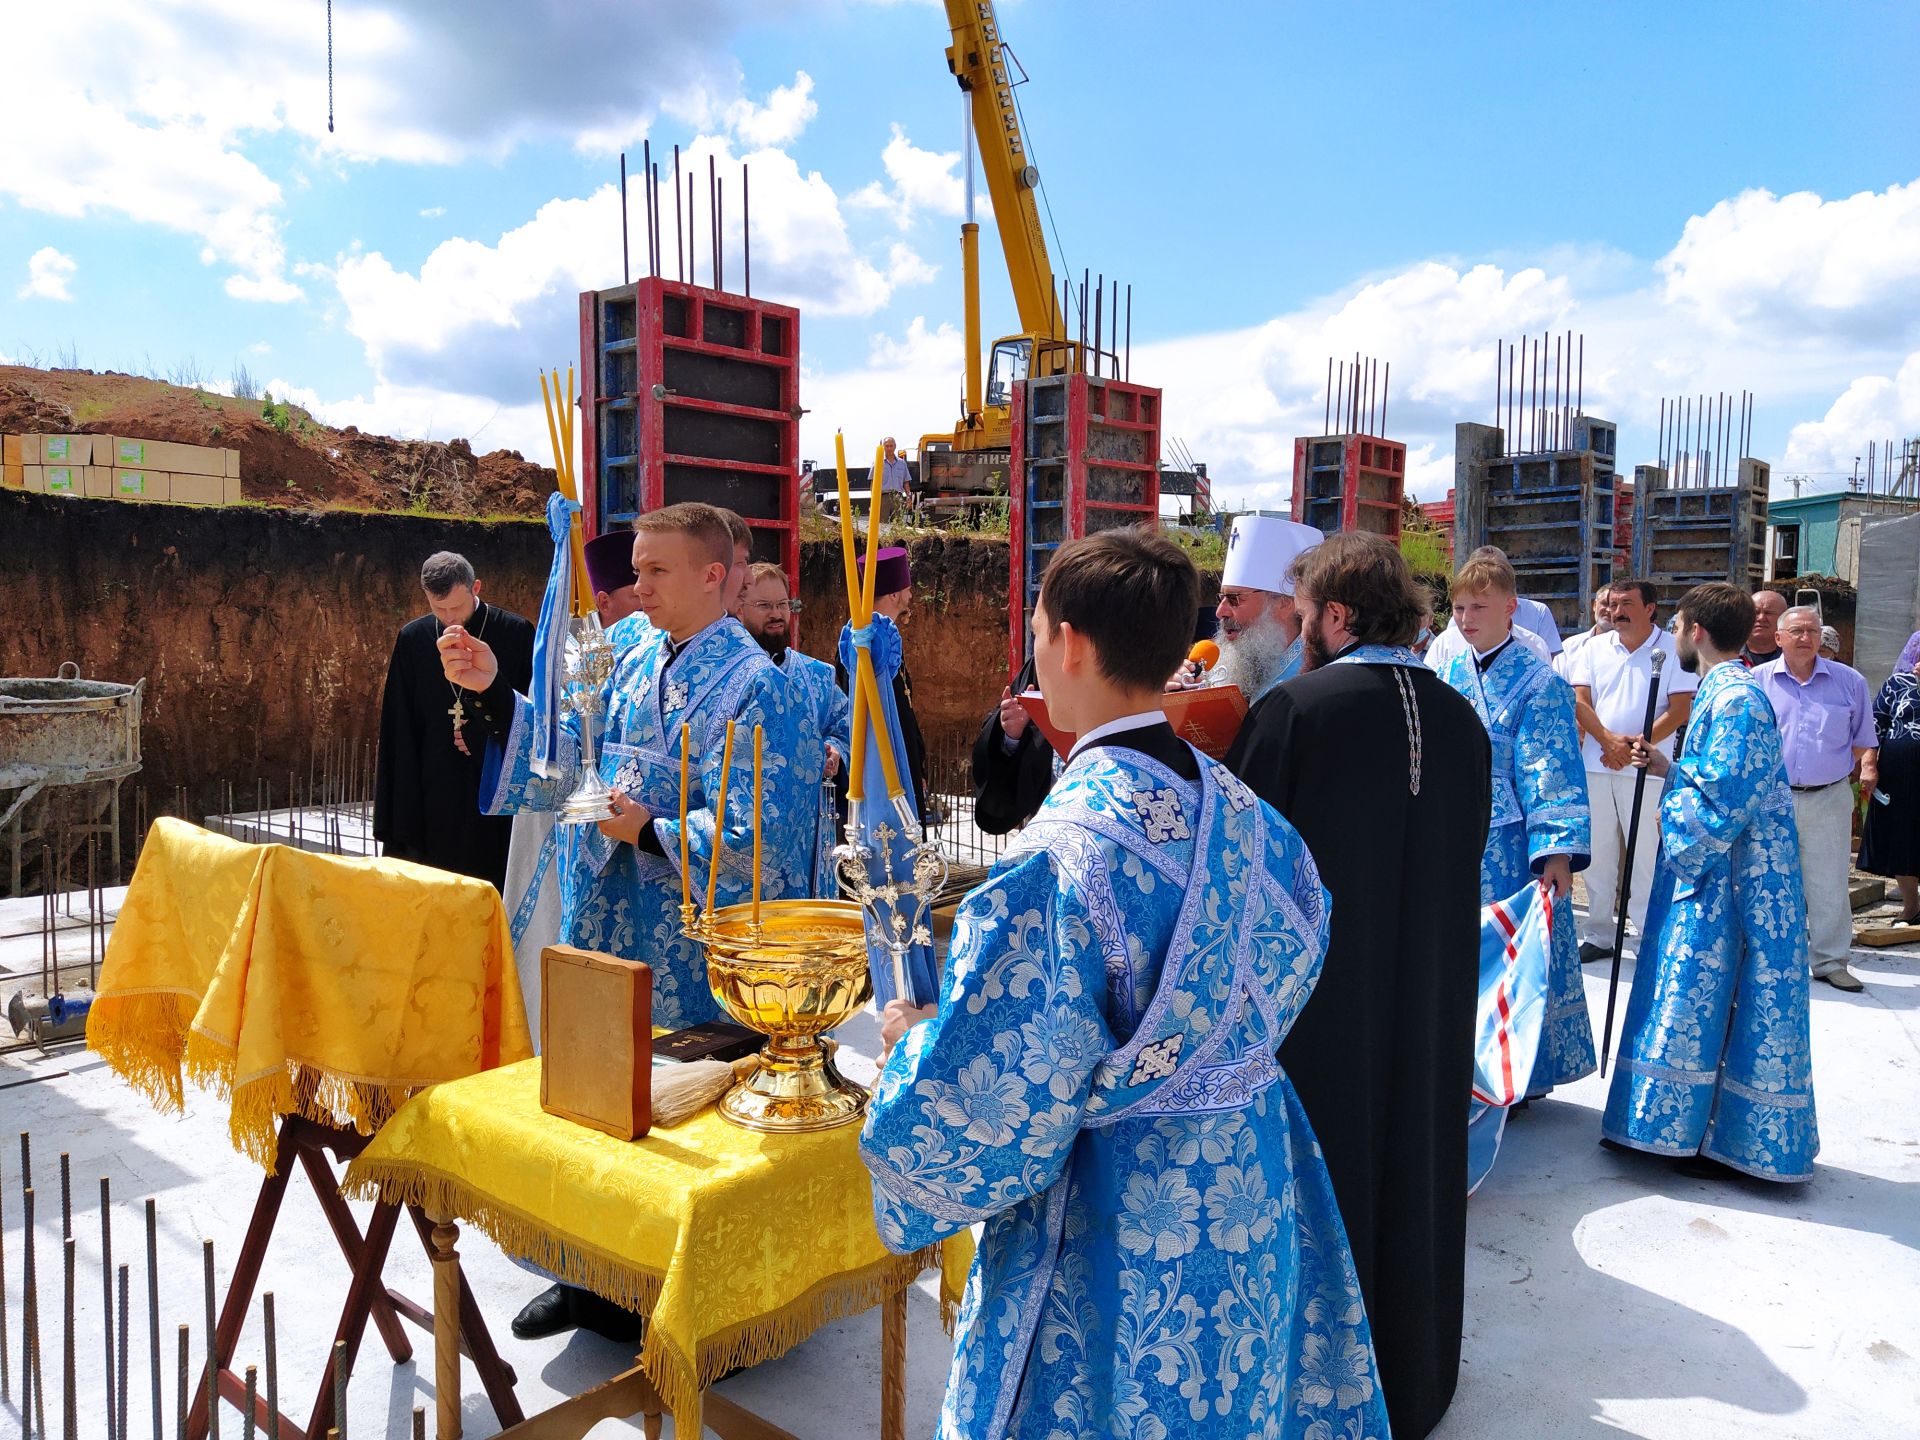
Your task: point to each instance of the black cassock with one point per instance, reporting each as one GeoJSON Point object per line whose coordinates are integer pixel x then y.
{"type": "Point", "coordinates": [1010, 781]}
{"type": "Point", "coordinates": [426, 801]}
{"type": "Point", "coordinates": [1382, 1054]}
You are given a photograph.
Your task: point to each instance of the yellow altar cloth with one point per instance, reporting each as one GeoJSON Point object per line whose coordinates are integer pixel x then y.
{"type": "Point", "coordinates": [739, 1244]}
{"type": "Point", "coordinates": [305, 984]}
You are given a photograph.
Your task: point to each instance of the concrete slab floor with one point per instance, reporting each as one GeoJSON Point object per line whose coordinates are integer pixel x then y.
{"type": "Point", "coordinates": [1606, 1294]}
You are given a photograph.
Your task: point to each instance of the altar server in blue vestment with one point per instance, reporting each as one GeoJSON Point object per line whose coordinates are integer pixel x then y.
{"type": "Point", "coordinates": [1539, 825]}
{"type": "Point", "coordinates": [1715, 1059]}
{"type": "Point", "coordinates": [1163, 1255]}
{"type": "Point", "coordinates": [828, 714]}
{"type": "Point", "coordinates": [533, 885]}
{"type": "Point", "coordinates": [620, 879]}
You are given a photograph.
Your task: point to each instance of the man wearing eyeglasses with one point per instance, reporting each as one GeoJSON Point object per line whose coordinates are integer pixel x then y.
{"type": "Point", "coordinates": [767, 613]}
{"type": "Point", "coordinates": [1826, 728]}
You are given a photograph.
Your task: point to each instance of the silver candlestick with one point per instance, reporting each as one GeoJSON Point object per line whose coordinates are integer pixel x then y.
{"type": "Point", "coordinates": [897, 908]}
{"type": "Point", "coordinates": [589, 666]}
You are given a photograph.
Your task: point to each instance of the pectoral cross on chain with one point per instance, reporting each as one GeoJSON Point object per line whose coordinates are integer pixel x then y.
{"type": "Point", "coordinates": [459, 714]}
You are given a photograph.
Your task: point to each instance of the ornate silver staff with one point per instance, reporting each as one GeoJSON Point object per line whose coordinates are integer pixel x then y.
{"type": "Point", "coordinates": [899, 906]}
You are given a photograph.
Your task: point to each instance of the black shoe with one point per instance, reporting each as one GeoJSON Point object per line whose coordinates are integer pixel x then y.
{"type": "Point", "coordinates": [548, 1313]}
{"type": "Point", "coordinates": [1590, 952]}
{"type": "Point", "coordinates": [1705, 1167]}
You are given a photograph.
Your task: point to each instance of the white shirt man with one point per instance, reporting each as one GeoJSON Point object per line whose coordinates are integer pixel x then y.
{"type": "Point", "coordinates": [1602, 624]}
{"type": "Point", "coordinates": [1610, 675]}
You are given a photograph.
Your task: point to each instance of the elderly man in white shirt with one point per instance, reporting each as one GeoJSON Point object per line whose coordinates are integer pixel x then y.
{"type": "Point", "coordinates": [1610, 675]}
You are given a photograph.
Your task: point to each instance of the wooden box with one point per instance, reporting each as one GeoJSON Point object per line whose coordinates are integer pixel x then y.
{"type": "Point", "coordinates": [596, 1040]}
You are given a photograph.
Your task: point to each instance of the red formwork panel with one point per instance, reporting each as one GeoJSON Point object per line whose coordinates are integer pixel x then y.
{"type": "Point", "coordinates": [690, 393]}
{"type": "Point", "coordinates": [1349, 482]}
{"type": "Point", "coordinates": [1086, 458]}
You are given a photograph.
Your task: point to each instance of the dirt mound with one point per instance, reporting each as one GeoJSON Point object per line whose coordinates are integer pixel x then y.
{"type": "Point", "coordinates": [286, 456]}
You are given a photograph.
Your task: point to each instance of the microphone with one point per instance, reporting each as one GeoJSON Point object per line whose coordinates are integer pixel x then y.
{"type": "Point", "coordinates": [1205, 654]}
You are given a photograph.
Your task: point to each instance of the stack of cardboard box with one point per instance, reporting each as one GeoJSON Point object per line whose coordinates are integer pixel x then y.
{"type": "Point", "coordinates": [113, 467]}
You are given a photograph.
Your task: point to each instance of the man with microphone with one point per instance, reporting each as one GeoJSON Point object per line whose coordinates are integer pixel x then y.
{"type": "Point", "coordinates": [1257, 644]}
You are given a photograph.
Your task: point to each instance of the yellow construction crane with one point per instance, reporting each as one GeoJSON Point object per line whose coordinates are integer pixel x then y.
{"type": "Point", "coordinates": [972, 456]}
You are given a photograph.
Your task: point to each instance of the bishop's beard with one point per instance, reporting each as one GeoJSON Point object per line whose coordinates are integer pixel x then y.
{"type": "Point", "coordinates": [1253, 658]}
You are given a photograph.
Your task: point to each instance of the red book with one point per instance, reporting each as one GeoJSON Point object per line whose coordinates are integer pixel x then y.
{"type": "Point", "coordinates": [1207, 718]}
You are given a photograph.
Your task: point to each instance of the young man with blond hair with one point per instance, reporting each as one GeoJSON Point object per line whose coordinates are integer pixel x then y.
{"type": "Point", "coordinates": [1539, 825]}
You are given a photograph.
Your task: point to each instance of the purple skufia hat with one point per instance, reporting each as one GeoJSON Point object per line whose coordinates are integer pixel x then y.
{"type": "Point", "coordinates": [891, 572]}
{"type": "Point", "coordinates": [610, 561]}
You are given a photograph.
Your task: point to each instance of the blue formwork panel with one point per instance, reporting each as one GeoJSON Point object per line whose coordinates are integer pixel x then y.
{"type": "Point", "coordinates": [1688, 535]}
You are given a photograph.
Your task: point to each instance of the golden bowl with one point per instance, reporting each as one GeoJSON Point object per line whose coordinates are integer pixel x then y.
{"type": "Point", "coordinates": [798, 974]}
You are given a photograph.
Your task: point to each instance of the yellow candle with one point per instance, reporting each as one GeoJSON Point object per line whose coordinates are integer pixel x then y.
{"type": "Point", "coordinates": [856, 763]}
{"type": "Point", "coordinates": [719, 819]}
{"type": "Point", "coordinates": [756, 824]}
{"type": "Point", "coordinates": [870, 691]}
{"type": "Point", "coordinates": [873, 537]}
{"type": "Point", "coordinates": [686, 875]}
{"type": "Point", "coordinates": [560, 434]}
{"type": "Point", "coordinates": [846, 524]}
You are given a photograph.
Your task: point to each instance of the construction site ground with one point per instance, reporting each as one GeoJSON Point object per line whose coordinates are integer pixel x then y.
{"type": "Point", "coordinates": [286, 456]}
{"type": "Point", "coordinates": [1607, 1294]}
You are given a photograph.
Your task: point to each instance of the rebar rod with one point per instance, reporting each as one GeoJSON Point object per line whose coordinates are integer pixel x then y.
{"type": "Point", "coordinates": [213, 1347]}
{"type": "Point", "coordinates": [273, 1368]}
{"type": "Point", "coordinates": [185, 1364]}
{"type": "Point", "coordinates": [153, 1312]}
{"type": "Point", "coordinates": [106, 1298]}
{"type": "Point", "coordinates": [120, 1359]}
{"type": "Point", "coordinates": [69, 1364]}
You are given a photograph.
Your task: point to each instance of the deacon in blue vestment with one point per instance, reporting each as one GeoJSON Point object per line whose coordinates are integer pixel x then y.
{"type": "Point", "coordinates": [1715, 1058]}
{"type": "Point", "coordinates": [1163, 1255]}
{"type": "Point", "coordinates": [1539, 826]}
{"type": "Point", "coordinates": [620, 880]}
{"type": "Point", "coordinates": [826, 713]}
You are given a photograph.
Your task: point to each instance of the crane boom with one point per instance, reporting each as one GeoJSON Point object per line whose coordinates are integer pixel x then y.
{"type": "Point", "coordinates": [979, 64]}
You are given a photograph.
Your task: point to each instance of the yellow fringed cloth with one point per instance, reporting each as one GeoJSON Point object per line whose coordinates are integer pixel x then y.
{"type": "Point", "coordinates": [293, 983]}
{"type": "Point", "coordinates": [738, 1244]}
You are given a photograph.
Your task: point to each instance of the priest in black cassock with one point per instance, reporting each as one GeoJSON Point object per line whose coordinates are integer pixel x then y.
{"type": "Point", "coordinates": [1012, 762]}
{"type": "Point", "coordinates": [426, 799]}
{"type": "Point", "coordinates": [1383, 769]}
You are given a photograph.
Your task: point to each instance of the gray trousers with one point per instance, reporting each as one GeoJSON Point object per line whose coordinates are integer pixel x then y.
{"type": "Point", "coordinates": [1825, 821]}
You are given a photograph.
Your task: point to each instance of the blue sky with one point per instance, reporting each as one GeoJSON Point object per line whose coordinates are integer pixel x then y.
{"type": "Point", "coordinates": [1719, 196]}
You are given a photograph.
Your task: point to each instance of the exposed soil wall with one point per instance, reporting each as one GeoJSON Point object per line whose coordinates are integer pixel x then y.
{"type": "Point", "coordinates": [262, 631]}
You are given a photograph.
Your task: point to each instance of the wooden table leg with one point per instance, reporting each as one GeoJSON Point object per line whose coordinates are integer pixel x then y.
{"type": "Point", "coordinates": [366, 1284]}
{"type": "Point", "coordinates": [893, 1366]}
{"type": "Point", "coordinates": [246, 1275]}
{"type": "Point", "coordinates": [446, 1327]}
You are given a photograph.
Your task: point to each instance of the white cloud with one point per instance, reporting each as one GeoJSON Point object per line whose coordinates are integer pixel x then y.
{"type": "Point", "coordinates": [479, 319]}
{"type": "Point", "coordinates": [923, 180]}
{"type": "Point", "coordinates": [908, 385]}
{"type": "Point", "coordinates": [155, 112]}
{"type": "Point", "coordinates": [1874, 408]}
{"type": "Point", "coordinates": [1800, 263]}
{"type": "Point", "coordinates": [433, 212]}
{"type": "Point", "coordinates": [787, 112]}
{"type": "Point", "coordinates": [48, 272]}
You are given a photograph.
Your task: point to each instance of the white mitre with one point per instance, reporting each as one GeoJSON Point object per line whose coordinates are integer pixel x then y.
{"type": "Point", "coordinates": [1261, 549]}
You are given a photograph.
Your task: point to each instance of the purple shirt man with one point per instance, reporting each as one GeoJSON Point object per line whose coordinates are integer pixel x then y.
{"type": "Point", "coordinates": [1826, 724]}
{"type": "Point", "coordinates": [1825, 719]}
